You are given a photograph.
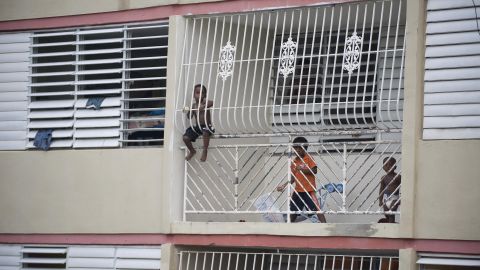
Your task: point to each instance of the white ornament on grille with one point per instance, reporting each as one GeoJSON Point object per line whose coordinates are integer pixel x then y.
{"type": "Point", "coordinates": [227, 56]}
{"type": "Point", "coordinates": [288, 54]}
{"type": "Point", "coordinates": [352, 53]}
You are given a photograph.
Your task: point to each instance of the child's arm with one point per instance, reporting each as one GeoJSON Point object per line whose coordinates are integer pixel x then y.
{"type": "Point", "coordinates": [381, 192]}
{"type": "Point", "coordinates": [284, 185]}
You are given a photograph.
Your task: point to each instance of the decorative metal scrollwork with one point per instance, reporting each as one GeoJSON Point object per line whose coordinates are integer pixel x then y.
{"type": "Point", "coordinates": [288, 55]}
{"type": "Point", "coordinates": [227, 57]}
{"type": "Point", "coordinates": [352, 53]}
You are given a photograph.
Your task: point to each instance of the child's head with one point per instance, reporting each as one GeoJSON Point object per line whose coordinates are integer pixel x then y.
{"type": "Point", "coordinates": [199, 91]}
{"type": "Point", "coordinates": [301, 145]}
{"type": "Point", "coordinates": [389, 164]}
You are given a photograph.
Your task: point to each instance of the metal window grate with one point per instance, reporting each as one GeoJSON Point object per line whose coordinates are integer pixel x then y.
{"type": "Point", "coordinates": [239, 182]}
{"type": "Point", "coordinates": [293, 71]}
{"type": "Point", "coordinates": [193, 260]}
{"type": "Point", "coordinates": [124, 66]}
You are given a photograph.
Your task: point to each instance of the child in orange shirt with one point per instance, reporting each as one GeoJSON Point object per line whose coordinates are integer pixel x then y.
{"type": "Point", "coordinates": [303, 170]}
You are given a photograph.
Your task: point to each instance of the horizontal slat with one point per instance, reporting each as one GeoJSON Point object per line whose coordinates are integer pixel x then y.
{"type": "Point", "coordinates": [14, 67]}
{"type": "Point", "coordinates": [9, 267]}
{"type": "Point", "coordinates": [452, 14]}
{"type": "Point", "coordinates": [99, 71]}
{"type": "Point", "coordinates": [452, 74]}
{"type": "Point", "coordinates": [95, 82]}
{"type": "Point", "coordinates": [101, 61]}
{"type": "Point", "coordinates": [452, 86]}
{"type": "Point", "coordinates": [99, 92]}
{"type": "Point", "coordinates": [13, 96]}
{"type": "Point", "coordinates": [451, 26]}
{"type": "Point", "coordinates": [452, 38]}
{"type": "Point", "coordinates": [15, 47]}
{"type": "Point", "coordinates": [14, 115]}
{"type": "Point", "coordinates": [101, 41]}
{"type": "Point", "coordinates": [448, 4]}
{"type": "Point", "coordinates": [49, 74]}
{"type": "Point", "coordinates": [97, 133]}
{"type": "Point", "coordinates": [140, 253]}
{"type": "Point", "coordinates": [12, 145]}
{"type": "Point", "coordinates": [53, 44]}
{"type": "Point", "coordinates": [88, 143]}
{"type": "Point", "coordinates": [9, 260]}
{"type": "Point", "coordinates": [51, 124]}
{"type": "Point", "coordinates": [10, 250]}
{"type": "Point", "coordinates": [13, 106]}
{"type": "Point", "coordinates": [103, 51]}
{"type": "Point", "coordinates": [137, 264]}
{"type": "Point", "coordinates": [14, 57]}
{"type": "Point", "coordinates": [452, 110]}
{"type": "Point", "coordinates": [91, 262]}
{"type": "Point", "coordinates": [14, 76]}
{"type": "Point", "coordinates": [58, 133]}
{"type": "Point", "coordinates": [67, 103]}
{"type": "Point", "coordinates": [452, 122]}
{"type": "Point", "coordinates": [43, 261]}
{"type": "Point", "coordinates": [92, 123]}
{"type": "Point", "coordinates": [51, 84]}
{"type": "Point", "coordinates": [56, 143]}
{"type": "Point", "coordinates": [51, 64]}
{"type": "Point", "coordinates": [54, 34]}
{"type": "Point", "coordinates": [52, 94]}
{"type": "Point", "coordinates": [13, 86]}
{"type": "Point", "coordinates": [107, 102]}
{"type": "Point", "coordinates": [61, 53]}
{"type": "Point", "coordinates": [452, 98]}
{"type": "Point", "coordinates": [445, 134]}
{"type": "Point", "coordinates": [100, 31]}
{"type": "Point", "coordinates": [452, 50]}
{"type": "Point", "coordinates": [91, 113]}
{"type": "Point", "coordinates": [92, 252]}
{"type": "Point", "coordinates": [136, 27]}
{"type": "Point", "coordinates": [12, 136]}
{"type": "Point", "coordinates": [452, 62]}
{"type": "Point", "coordinates": [13, 125]}
{"type": "Point", "coordinates": [51, 114]}
{"type": "Point", "coordinates": [15, 38]}
{"type": "Point", "coordinates": [44, 250]}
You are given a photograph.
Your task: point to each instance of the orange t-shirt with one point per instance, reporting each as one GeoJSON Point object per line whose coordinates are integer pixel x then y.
{"type": "Point", "coordinates": [303, 182]}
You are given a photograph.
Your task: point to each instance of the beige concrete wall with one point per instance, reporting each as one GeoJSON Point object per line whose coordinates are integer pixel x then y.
{"type": "Point", "coordinates": [28, 9]}
{"type": "Point", "coordinates": [81, 191]}
{"type": "Point", "coordinates": [448, 190]}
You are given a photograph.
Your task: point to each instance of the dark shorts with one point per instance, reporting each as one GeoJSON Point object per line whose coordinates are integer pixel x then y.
{"type": "Point", "coordinates": [194, 132]}
{"type": "Point", "coordinates": [301, 201]}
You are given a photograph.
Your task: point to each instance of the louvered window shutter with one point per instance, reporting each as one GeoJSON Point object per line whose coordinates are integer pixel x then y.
{"type": "Point", "coordinates": [52, 87]}
{"type": "Point", "coordinates": [452, 71]}
{"type": "Point", "coordinates": [14, 53]}
{"type": "Point", "coordinates": [44, 257]}
{"type": "Point", "coordinates": [121, 69]}
{"type": "Point", "coordinates": [10, 256]}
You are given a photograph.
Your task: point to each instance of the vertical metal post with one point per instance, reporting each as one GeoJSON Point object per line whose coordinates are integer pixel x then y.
{"type": "Point", "coordinates": [185, 177]}
{"type": "Point", "coordinates": [289, 176]}
{"type": "Point", "coordinates": [344, 177]}
{"type": "Point", "coordinates": [236, 179]}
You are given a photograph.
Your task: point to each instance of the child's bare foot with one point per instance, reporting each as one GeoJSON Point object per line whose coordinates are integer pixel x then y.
{"type": "Point", "coordinates": [204, 155]}
{"type": "Point", "coordinates": [190, 155]}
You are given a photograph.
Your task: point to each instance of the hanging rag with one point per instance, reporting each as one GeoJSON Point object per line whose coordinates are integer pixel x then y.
{"type": "Point", "coordinates": [43, 139]}
{"type": "Point", "coordinates": [94, 103]}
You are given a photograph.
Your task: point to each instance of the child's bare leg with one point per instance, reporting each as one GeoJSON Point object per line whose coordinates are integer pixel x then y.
{"type": "Point", "coordinates": [191, 150]}
{"type": "Point", "coordinates": [321, 217]}
{"type": "Point", "coordinates": [206, 142]}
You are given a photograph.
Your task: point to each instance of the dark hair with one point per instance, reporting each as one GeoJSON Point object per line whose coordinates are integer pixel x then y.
{"type": "Point", "coordinates": [389, 160]}
{"type": "Point", "coordinates": [204, 89]}
{"type": "Point", "coordinates": [301, 141]}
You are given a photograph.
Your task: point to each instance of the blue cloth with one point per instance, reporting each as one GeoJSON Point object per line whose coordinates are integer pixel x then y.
{"type": "Point", "coordinates": [94, 103]}
{"type": "Point", "coordinates": [157, 112]}
{"type": "Point", "coordinates": [43, 139]}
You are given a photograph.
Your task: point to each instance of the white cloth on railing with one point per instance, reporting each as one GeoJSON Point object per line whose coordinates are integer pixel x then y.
{"type": "Point", "coordinates": [266, 203]}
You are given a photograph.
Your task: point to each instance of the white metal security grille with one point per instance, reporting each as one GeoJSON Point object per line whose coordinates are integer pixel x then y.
{"type": "Point", "coordinates": [289, 75]}
{"type": "Point", "coordinates": [240, 181]}
{"type": "Point", "coordinates": [196, 260]}
{"type": "Point", "coordinates": [123, 66]}
{"type": "Point", "coordinates": [14, 59]}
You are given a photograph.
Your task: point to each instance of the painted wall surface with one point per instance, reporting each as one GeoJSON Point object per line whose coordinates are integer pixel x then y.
{"type": "Point", "coordinates": [448, 190]}
{"type": "Point", "coordinates": [26, 9]}
{"type": "Point", "coordinates": [81, 191]}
